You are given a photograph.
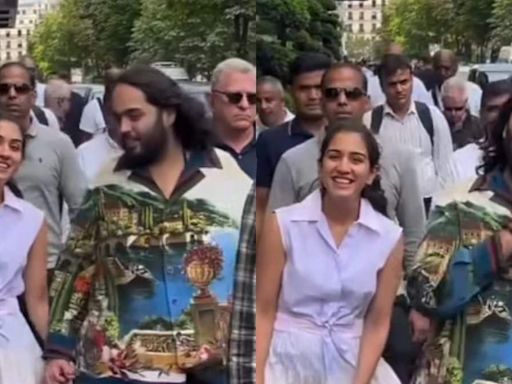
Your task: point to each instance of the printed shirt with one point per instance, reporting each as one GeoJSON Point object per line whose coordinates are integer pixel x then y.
{"type": "Point", "coordinates": [243, 332]}
{"type": "Point", "coordinates": [464, 283]}
{"type": "Point", "coordinates": [145, 288]}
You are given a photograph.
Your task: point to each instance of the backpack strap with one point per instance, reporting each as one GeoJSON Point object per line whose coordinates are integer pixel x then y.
{"type": "Point", "coordinates": [426, 119]}
{"type": "Point", "coordinates": [377, 116]}
{"type": "Point", "coordinates": [40, 115]}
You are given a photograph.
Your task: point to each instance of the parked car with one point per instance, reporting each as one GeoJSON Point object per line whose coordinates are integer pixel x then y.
{"type": "Point", "coordinates": [89, 91]}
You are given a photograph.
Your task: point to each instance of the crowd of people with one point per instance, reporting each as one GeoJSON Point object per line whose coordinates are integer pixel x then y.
{"type": "Point", "coordinates": [359, 234]}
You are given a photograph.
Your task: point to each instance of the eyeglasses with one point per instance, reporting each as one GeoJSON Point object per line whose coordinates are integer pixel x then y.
{"type": "Point", "coordinates": [20, 89]}
{"type": "Point", "coordinates": [351, 94]}
{"type": "Point", "coordinates": [235, 98]}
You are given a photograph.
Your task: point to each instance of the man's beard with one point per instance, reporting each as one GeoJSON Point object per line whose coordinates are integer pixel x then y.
{"type": "Point", "coordinates": [151, 148]}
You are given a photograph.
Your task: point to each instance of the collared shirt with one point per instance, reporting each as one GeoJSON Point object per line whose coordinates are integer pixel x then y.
{"type": "Point", "coordinates": [409, 131]}
{"type": "Point", "coordinates": [272, 143]}
{"type": "Point", "coordinates": [50, 175]}
{"type": "Point", "coordinates": [377, 97]}
{"type": "Point", "coordinates": [246, 158]}
{"type": "Point", "coordinates": [297, 176]}
{"type": "Point", "coordinates": [95, 153]}
{"type": "Point", "coordinates": [463, 165]}
{"type": "Point", "coordinates": [149, 279]}
{"type": "Point", "coordinates": [243, 326]}
{"type": "Point", "coordinates": [288, 117]}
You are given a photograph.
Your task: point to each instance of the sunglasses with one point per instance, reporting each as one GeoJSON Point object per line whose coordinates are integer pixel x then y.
{"type": "Point", "coordinates": [235, 98]}
{"type": "Point", "coordinates": [351, 94]}
{"type": "Point", "coordinates": [21, 89]}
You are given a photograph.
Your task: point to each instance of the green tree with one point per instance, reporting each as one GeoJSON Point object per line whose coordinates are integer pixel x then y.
{"type": "Point", "coordinates": [287, 27]}
{"type": "Point", "coordinates": [64, 40]}
{"type": "Point", "coordinates": [196, 34]}
{"type": "Point", "coordinates": [502, 22]}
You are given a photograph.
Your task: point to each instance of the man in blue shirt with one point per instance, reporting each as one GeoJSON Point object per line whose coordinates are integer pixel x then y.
{"type": "Point", "coordinates": [305, 73]}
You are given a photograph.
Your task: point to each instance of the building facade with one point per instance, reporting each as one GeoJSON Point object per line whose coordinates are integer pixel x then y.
{"type": "Point", "coordinates": [361, 18]}
{"type": "Point", "coordinates": [14, 41]}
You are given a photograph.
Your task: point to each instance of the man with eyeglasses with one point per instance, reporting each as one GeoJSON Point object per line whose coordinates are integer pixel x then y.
{"type": "Point", "coordinates": [50, 173]}
{"type": "Point", "coordinates": [464, 127]}
{"type": "Point", "coordinates": [305, 74]}
{"type": "Point", "coordinates": [344, 89]}
{"type": "Point", "coordinates": [233, 102]}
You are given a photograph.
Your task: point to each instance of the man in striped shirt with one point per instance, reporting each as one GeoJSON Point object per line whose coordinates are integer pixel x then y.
{"type": "Point", "coordinates": [401, 124]}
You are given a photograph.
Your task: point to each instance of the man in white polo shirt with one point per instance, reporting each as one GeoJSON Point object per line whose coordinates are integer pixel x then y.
{"type": "Point", "coordinates": [94, 153]}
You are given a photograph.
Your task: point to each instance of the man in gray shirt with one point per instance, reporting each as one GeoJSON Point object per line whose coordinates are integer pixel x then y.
{"type": "Point", "coordinates": [344, 89]}
{"type": "Point", "coordinates": [50, 173]}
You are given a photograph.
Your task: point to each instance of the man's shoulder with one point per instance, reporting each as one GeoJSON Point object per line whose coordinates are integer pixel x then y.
{"type": "Point", "coordinates": [53, 136]}
{"type": "Point", "coordinates": [93, 143]}
{"type": "Point", "coordinates": [271, 134]}
{"type": "Point", "coordinates": [302, 151]}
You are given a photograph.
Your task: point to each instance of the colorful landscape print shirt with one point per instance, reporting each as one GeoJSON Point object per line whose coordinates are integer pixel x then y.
{"type": "Point", "coordinates": [144, 290]}
{"type": "Point", "coordinates": [464, 282]}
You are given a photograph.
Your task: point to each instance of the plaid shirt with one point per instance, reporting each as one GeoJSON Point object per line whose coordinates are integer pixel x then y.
{"type": "Point", "coordinates": [243, 332]}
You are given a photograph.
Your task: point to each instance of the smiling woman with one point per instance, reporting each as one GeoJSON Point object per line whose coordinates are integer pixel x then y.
{"type": "Point", "coordinates": [23, 256]}
{"type": "Point", "coordinates": [336, 324]}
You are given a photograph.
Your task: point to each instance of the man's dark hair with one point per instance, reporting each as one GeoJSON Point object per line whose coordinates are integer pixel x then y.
{"type": "Point", "coordinates": [350, 66]}
{"type": "Point", "coordinates": [31, 75]}
{"type": "Point", "coordinates": [308, 62]}
{"type": "Point", "coordinates": [391, 64]}
{"type": "Point", "coordinates": [496, 89]}
{"type": "Point", "coordinates": [191, 126]}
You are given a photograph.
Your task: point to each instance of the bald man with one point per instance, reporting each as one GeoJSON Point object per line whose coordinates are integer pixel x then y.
{"type": "Point", "coordinates": [271, 105]}
{"type": "Point", "coordinates": [446, 65]}
{"type": "Point", "coordinates": [57, 98]}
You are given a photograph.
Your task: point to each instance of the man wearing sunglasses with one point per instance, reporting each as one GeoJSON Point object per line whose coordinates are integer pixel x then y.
{"type": "Point", "coordinates": [464, 127]}
{"type": "Point", "coordinates": [466, 132]}
{"type": "Point", "coordinates": [233, 102]}
{"type": "Point", "coordinates": [50, 173]}
{"type": "Point", "coordinates": [305, 75]}
{"type": "Point", "coordinates": [344, 88]}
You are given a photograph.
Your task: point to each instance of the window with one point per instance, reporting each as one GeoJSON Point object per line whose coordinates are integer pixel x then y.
{"type": "Point", "coordinates": [374, 16]}
{"type": "Point", "coordinates": [8, 34]}
{"type": "Point", "coordinates": [361, 4]}
{"type": "Point", "coordinates": [350, 15]}
{"type": "Point", "coordinates": [348, 28]}
{"type": "Point", "coordinates": [374, 27]}
{"type": "Point", "coordinates": [350, 5]}
{"type": "Point", "coordinates": [8, 45]}
{"type": "Point", "coordinates": [361, 15]}
{"type": "Point", "coordinates": [383, 3]}
{"type": "Point", "coordinates": [361, 28]}
{"type": "Point", "coordinates": [8, 56]}
{"type": "Point", "coordinates": [20, 45]}
{"type": "Point", "coordinates": [19, 32]}
{"type": "Point", "coordinates": [374, 3]}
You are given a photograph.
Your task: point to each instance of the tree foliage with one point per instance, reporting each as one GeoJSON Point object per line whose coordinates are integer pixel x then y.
{"type": "Point", "coordinates": [462, 25]}
{"type": "Point", "coordinates": [501, 22]}
{"type": "Point", "coordinates": [287, 27]}
{"type": "Point", "coordinates": [91, 34]}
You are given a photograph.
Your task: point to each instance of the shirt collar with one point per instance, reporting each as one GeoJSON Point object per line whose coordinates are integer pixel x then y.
{"type": "Point", "coordinates": [194, 160]}
{"type": "Point", "coordinates": [295, 128]}
{"type": "Point", "coordinates": [389, 111]}
{"type": "Point", "coordinates": [312, 211]}
{"type": "Point", "coordinates": [34, 126]}
{"type": "Point", "coordinates": [10, 200]}
{"type": "Point", "coordinates": [256, 131]}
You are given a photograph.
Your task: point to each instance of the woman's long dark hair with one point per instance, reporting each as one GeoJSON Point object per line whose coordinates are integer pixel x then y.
{"type": "Point", "coordinates": [495, 148]}
{"type": "Point", "coordinates": [373, 193]}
